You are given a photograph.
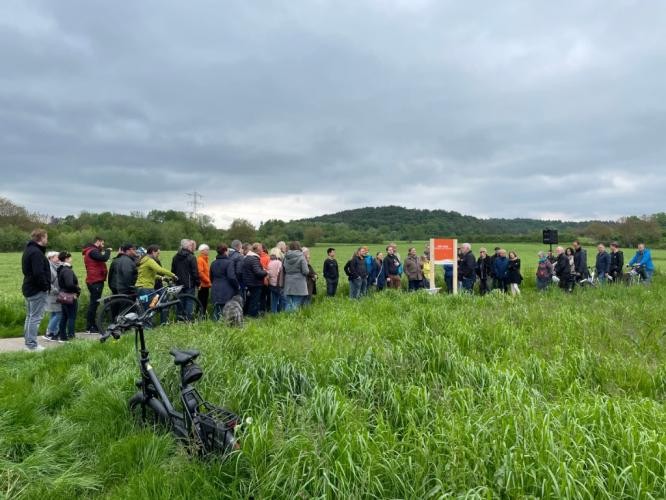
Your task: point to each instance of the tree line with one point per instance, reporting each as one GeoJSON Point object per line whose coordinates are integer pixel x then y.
{"type": "Point", "coordinates": [368, 225]}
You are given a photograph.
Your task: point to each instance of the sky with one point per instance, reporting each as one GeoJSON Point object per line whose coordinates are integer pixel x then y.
{"type": "Point", "coordinates": [291, 109]}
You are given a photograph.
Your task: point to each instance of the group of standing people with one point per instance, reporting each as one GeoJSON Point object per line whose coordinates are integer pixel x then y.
{"type": "Point", "coordinates": [281, 279]}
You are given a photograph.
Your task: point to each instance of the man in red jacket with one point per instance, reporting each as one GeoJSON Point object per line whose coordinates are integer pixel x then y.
{"type": "Point", "coordinates": [94, 258]}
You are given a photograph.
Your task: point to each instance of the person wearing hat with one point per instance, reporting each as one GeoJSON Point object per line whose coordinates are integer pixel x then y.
{"type": "Point", "coordinates": [122, 272]}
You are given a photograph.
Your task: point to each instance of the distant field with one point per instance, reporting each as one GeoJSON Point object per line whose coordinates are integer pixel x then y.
{"type": "Point", "coordinates": [12, 312]}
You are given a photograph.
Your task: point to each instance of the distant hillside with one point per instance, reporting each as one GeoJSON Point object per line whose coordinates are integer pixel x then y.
{"type": "Point", "coordinates": [399, 223]}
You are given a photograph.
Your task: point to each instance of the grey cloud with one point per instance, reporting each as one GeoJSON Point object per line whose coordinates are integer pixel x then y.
{"type": "Point", "coordinates": [463, 106]}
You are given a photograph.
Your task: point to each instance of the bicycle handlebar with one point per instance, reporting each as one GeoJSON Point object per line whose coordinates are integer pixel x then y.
{"type": "Point", "coordinates": [131, 320]}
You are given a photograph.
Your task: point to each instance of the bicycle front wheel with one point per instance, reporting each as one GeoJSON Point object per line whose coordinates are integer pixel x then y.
{"type": "Point", "coordinates": [113, 308]}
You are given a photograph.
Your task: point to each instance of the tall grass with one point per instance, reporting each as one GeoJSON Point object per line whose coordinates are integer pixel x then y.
{"type": "Point", "coordinates": [397, 395]}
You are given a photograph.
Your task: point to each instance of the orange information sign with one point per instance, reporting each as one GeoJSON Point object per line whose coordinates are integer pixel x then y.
{"type": "Point", "coordinates": [443, 250]}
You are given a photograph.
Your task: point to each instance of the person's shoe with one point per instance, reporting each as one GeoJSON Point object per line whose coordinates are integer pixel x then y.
{"type": "Point", "coordinates": [37, 348]}
{"type": "Point", "coordinates": [47, 337]}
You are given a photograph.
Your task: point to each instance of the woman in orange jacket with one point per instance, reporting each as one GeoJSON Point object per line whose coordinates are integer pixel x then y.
{"type": "Point", "coordinates": [204, 276]}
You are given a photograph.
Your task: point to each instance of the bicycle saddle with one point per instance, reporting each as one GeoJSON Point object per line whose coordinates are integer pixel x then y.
{"type": "Point", "coordinates": [183, 357]}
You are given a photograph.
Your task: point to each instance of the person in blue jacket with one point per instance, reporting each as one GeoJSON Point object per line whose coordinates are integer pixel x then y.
{"type": "Point", "coordinates": [501, 268]}
{"type": "Point", "coordinates": [643, 258]}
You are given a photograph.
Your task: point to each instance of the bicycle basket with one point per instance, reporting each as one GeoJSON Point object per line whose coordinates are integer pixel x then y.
{"type": "Point", "coordinates": [216, 427]}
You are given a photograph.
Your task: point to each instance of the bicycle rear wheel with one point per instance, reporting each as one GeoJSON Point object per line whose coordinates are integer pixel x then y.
{"type": "Point", "coordinates": [188, 310]}
{"type": "Point", "coordinates": [114, 307]}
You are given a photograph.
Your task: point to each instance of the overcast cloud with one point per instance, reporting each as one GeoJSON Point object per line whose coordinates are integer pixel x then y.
{"type": "Point", "coordinates": [289, 109]}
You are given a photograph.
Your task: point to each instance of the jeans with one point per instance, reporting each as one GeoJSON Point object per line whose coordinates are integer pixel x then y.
{"type": "Point", "coordinates": [35, 306]}
{"type": "Point", "coordinates": [95, 290]}
{"type": "Point", "coordinates": [542, 283]}
{"type": "Point", "coordinates": [253, 300]}
{"type": "Point", "coordinates": [331, 287]}
{"type": "Point", "coordinates": [355, 286]}
{"type": "Point", "coordinates": [186, 312]}
{"type": "Point", "coordinates": [449, 283]}
{"type": "Point", "coordinates": [294, 302]}
{"type": "Point", "coordinates": [647, 275]}
{"type": "Point", "coordinates": [364, 287]}
{"type": "Point", "coordinates": [54, 323]}
{"type": "Point", "coordinates": [468, 285]}
{"type": "Point", "coordinates": [276, 299]}
{"type": "Point", "coordinates": [68, 320]}
{"type": "Point", "coordinates": [414, 285]}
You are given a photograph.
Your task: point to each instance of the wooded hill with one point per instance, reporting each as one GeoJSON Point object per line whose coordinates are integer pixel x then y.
{"type": "Point", "coordinates": [362, 225]}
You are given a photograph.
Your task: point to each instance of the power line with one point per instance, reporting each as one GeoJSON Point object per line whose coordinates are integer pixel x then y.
{"type": "Point", "coordinates": [196, 203]}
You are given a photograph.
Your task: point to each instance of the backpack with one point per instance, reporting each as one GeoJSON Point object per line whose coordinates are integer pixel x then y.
{"type": "Point", "coordinates": [542, 271]}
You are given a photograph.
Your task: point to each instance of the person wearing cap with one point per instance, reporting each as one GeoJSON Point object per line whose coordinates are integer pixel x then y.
{"type": "Point", "coordinates": [123, 272]}
{"type": "Point", "coordinates": [68, 282]}
{"type": "Point", "coordinates": [204, 276]}
{"type": "Point", "coordinates": [95, 257]}
{"type": "Point", "coordinates": [52, 304]}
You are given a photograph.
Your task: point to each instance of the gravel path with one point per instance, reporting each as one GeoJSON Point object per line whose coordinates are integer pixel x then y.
{"type": "Point", "coordinates": [18, 343]}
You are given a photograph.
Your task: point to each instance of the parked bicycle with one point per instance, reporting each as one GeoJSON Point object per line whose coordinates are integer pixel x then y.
{"type": "Point", "coordinates": [635, 275]}
{"type": "Point", "coordinates": [186, 307]}
{"type": "Point", "coordinates": [203, 427]}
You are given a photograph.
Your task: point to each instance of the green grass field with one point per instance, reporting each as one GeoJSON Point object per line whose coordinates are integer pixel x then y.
{"type": "Point", "coordinates": [397, 395]}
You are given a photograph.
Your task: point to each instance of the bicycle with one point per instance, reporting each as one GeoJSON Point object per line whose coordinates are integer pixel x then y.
{"type": "Point", "coordinates": [635, 275]}
{"type": "Point", "coordinates": [117, 305]}
{"type": "Point", "coordinates": [203, 427]}
{"type": "Point", "coordinates": [592, 280]}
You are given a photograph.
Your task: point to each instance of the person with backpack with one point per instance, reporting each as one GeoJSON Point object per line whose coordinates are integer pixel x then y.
{"type": "Point", "coordinates": [69, 284]}
{"type": "Point", "coordinates": [392, 268]}
{"type": "Point", "coordinates": [483, 271]}
{"type": "Point", "coordinates": [544, 272]}
{"type": "Point", "coordinates": [331, 273]}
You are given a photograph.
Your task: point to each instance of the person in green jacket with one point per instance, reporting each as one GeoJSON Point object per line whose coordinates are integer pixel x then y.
{"type": "Point", "coordinates": [148, 270]}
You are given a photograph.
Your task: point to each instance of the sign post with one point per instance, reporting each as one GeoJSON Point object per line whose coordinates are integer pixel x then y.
{"type": "Point", "coordinates": [444, 251]}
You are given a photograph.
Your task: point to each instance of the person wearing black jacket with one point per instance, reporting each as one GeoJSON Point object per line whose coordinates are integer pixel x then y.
{"type": "Point", "coordinates": [123, 272]}
{"type": "Point", "coordinates": [467, 267]}
{"type": "Point", "coordinates": [253, 278]}
{"type": "Point", "coordinates": [68, 282]}
{"type": "Point", "coordinates": [331, 273]}
{"type": "Point", "coordinates": [497, 282]}
{"type": "Point", "coordinates": [616, 262]}
{"type": "Point", "coordinates": [565, 268]}
{"type": "Point", "coordinates": [483, 271]}
{"type": "Point", "coordinates": [580, 261]}
{"type": "Point", "coordinates": [36, 285]}
{"type": "Point", "coordinates": [184, 266]}
{"type": "Point", "coordinates": [391, 266]}
{"type": "Point", "coordinates": [356, 272]}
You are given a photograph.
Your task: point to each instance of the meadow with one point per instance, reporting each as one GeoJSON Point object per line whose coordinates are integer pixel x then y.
{"type": "Point", "coordinates": [394, 396]}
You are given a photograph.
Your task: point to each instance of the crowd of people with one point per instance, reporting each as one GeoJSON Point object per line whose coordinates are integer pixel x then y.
{"type": "Point", "coordinates": [279, 279]}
